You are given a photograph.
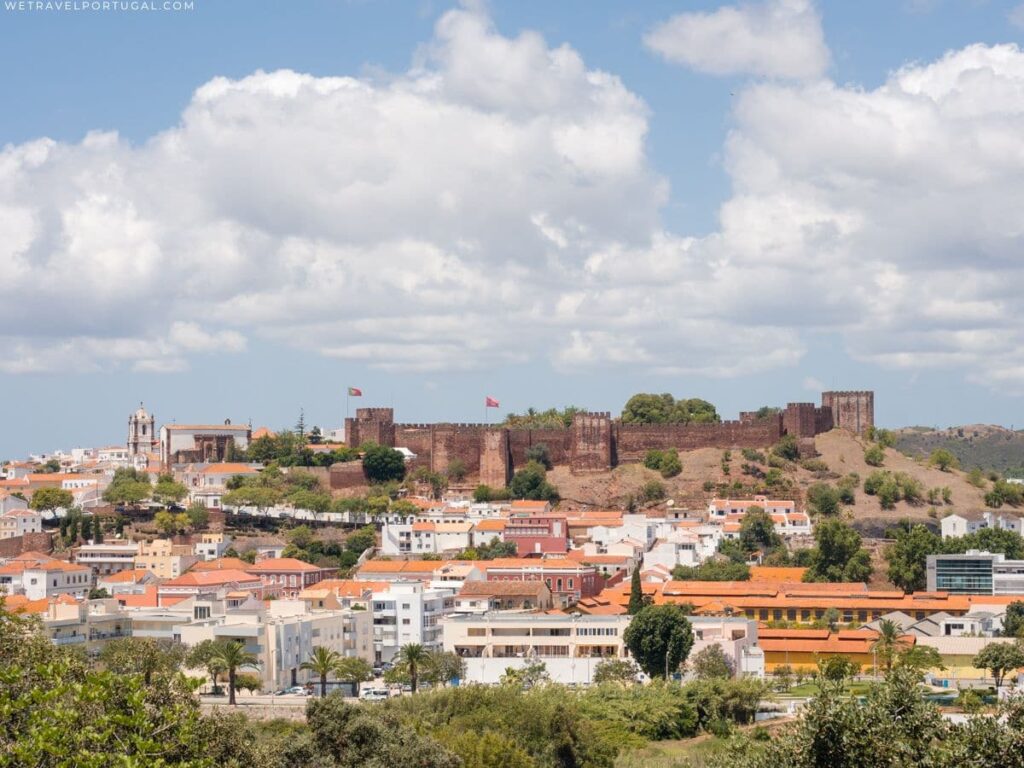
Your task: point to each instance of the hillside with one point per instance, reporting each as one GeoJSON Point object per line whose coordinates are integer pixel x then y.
{"type": "Point", "coordinates": [840, 450]}
{"type": "Point", "coordinates": [975, 445]}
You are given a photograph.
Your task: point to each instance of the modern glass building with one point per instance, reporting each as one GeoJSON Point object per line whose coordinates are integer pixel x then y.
{"type": "Point", "coordinates": [969, 574]}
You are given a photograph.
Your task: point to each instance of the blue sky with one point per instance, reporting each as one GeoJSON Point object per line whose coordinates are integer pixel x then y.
{"type": "Point", "coordinates": [663, 262]}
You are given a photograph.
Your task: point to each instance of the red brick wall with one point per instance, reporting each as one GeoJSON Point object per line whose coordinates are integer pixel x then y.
{"type": "Point", "coordinates": [29, 542]}
{"type": "Point", "coordinates": [632, 441]}
{"type": "Point", "coordinates": [348, 474]}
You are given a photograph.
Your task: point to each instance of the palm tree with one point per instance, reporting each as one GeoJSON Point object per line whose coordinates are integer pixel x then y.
{"type": "Point", "coordinates": [890, 641]}
{"type": "Point", "coordinates": [414, 656]}
{"type": "Point", "coordinates": [230, 656]}
{"type": "Point", "coordinates": [323, 662]}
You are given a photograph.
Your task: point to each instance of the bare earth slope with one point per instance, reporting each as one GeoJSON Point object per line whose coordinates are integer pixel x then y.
{"type": "Point", "coordinates": [840, 450]}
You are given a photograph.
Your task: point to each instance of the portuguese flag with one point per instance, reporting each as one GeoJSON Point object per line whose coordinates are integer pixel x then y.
{"type": "Point", "coordinates": [354, 392]}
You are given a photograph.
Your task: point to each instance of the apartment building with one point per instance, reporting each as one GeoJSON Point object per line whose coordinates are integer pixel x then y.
{"type": "Point", "coordinates": [164, 558]}
{"type": "Point", "coordinates": [107, 558]}
{"type": "Point", "coordinates": [18, 522]}
{"type": "Point", "coordinates": [211, 546]}
{"type": "Point", "coordinates": [962, 523]}
{"type": "Point", "coordinates": [408, 612]}
{"type": "Point", "coordinates": [282, 635]}
{"type": "Point", "coordinates": [536, 532]}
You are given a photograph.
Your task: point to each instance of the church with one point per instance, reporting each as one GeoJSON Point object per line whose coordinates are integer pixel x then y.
{"type": "Point", "coordinates": [184, 443]}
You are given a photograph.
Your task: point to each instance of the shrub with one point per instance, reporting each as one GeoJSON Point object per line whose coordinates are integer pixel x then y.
{"type": "Point", "coordinates": [814, 465]}
{"type": "Point", "coordinates": [752, 454]}
{"type": "Point", "coordinates": [653, 490]}
{"type": "Point", "coordinates": [823, 498]}
{"type": "Point", "coordinates": [786, 448]}
{"type": "Point", "coordinates": [874, 455]}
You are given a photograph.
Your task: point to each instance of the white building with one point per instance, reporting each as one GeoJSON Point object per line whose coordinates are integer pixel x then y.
{"type": "Point", "coordinates": [282, 635]}
{"type": "Point", "coordinates": [212, 546]}
{"type": "Point", "coordinates": [409, 612]}
{"type": "Point", "coordinates": [190, 443]}
{"type": "Point", "coordinates": [107, 558]}
{"type": "Point", "coordinates": [418, 537]}
{"type": "Point", "coordinates": [16, 519]}
{"type": "Point", "coordinates": [962, 523]}
{"type": "Point", "coordinates": [54, 578]}
{"type": "Point", "coordinates": [572, 646]}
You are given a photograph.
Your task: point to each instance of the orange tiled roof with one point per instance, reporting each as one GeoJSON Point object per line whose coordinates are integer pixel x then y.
{"type": "Point", "coordinates": [148, 599]}
{"type": "Point", "coordinates": [209, 578]}
{"type": "Point", "coordinates": [276, 564]}
{"type": "Point", "coordinates": [490, 525]}
{"type": "Point", "coordinates": [229, 468]}
{"type": "Point", "coordinates": [403, 566]}
{"type": "Point", "coordinates": [770, 573]}
{"type": "Point", "coordinates": [221, 564]}
{"type": "Point", "coordinates": [351, 587]}
{"type": "Point", "coordinates": [125, 577]}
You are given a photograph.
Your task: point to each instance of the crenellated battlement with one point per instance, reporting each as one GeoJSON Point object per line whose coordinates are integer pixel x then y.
{"type": "Point", "coordinates": [595, 441]}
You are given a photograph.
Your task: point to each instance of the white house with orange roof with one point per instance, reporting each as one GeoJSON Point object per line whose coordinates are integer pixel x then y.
{"type": "Point", "coordinates": [287, 576]}
{"type": "Point", "coordinates": [132, 582]}
{"type": "Point", "coordinates": [207, 483]}
{"type": "Point", "coordinates": [43, 577]}
{"type": "Point", "coordinates": [219, 583]}
{"type": "Point", "coordinates": [729, 513]}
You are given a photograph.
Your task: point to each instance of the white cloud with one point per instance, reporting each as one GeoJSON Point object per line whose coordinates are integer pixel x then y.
{"type": "Point", "coordinates": [774, 38]}
{"type": "Point", "coordinates": [427, 221]}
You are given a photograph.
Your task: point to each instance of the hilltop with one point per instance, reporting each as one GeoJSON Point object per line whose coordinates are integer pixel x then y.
{"type": "Point", "coordinates": [840, 451]}
{"type": "Point", "coordinates": [987, 446]}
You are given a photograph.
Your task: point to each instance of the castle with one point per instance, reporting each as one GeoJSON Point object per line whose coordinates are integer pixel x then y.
{"type": "Point", "coordinates": [595, 442]}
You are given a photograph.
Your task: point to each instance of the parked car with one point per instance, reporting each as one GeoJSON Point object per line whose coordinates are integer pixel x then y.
{"type": "Point", "coordinates": [373, 694]}
{"type": "Point", "coordinates": [295, 690]}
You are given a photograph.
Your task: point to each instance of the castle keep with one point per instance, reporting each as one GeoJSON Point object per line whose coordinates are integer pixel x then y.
{"type": "Point", "coordinates": [595, 442]}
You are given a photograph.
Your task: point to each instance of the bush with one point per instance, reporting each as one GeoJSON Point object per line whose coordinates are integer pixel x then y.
{"type": "Point", "coordinates": [751, 454]}
{"type": "Point", "coordinates": [778, 462]}
{"type": "Point", "coordinates": [653, 490]}
{"type": "Point", "coordinates": [814, 465]}
{"type": "Point", "coordinates": [786, 448]}
{"type": "Point", "coordinates": [665, 462]}
{"type": "Point", "coordinates": [874, 455]}
{"type": "Point", "coordinates": [823, 499]}
{"type": "Point", "coordinates": [943, 459]}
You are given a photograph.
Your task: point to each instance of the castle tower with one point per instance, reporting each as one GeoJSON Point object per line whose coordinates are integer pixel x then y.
{"type": "Point", "coordinates": [591, 443]}
{"type": "Point", "coordinates": [142, 437]}
{"type": "Point", "coordinates": [854, 411]}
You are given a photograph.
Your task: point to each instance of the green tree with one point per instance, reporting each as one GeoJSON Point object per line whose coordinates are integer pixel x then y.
{"type": "Point", "coordinates": [60, 712]}
{"type": "Point", "coordinates": [361, 540]}
{"type": "Point", "coordinates": [757, 531]}
{"type": "Point", "coordinates": [621, 671]}
{"type": "Point", "coordinates": [198, 516]}
{"type": "Point", "coordinates": [787, 448]}
{"type": "Point", "coordinates": [1000, 658]}
{"type": "Point", "coordinates": [261, 498]}
{"type": "Point", "coordinates": [919, 658]}
{"type": "Point", "coordinates": [352, 736]}
{"type": "Point", "coordinates": [322, 662]}
{"type": "Point", "coordinates": [528, 676]}
{"type": "Point", "coordinates": [128, 486]}
{"type": "Point", "coordinates": [716, 569]}
{"type": "Point", "coordinates": [353, 669]}
{"type": "Point", "coordinates": [441, 667]}
{"type": "Point", "coordinates": [232, 656]}
{"type": "Point", "coordinates": [530, 482]}
{"type": "Point", "coordinates": [382, 464]}
{"type": "Point", "coordinates": [943, 459]}
{"type": "Point", "coordinates": [665, 409]}
{"type": "Point", "coordinates": [838, 556]}
{"type": "Point", "coordinates": [1013, 621]}
{"type": "Point", "coordinates": [51, 499]}
{"type": "Point", "coordinates": [908, 555]}
{"type": "Point", "coordinates": [540, 454]}
{"type": "Point", "coordinates": [204, 655]}
{"type": "Point", "coordinates": [167, 491]}
{"type": "Point", "coordinates": [711, 662]}
{"type": "Point", "coordinates": [659, 638]}
{"type": "Point", "coordinates": [823, 499]}
{"type": "Point", "coordinates": [248, 681]}
{"type": "Point", "coordinates": [636, 593]}
{"type": "Point", "coordinates": [143, 656]}
{"type": "Point", "coordinates": [413, 656]}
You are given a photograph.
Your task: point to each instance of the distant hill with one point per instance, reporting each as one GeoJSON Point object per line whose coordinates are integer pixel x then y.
{"type": "Point", "coordinates": [975, 445]}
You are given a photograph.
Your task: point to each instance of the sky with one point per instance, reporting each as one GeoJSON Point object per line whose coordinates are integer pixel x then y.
{"type": "Point", "coordinates": [239, 209]}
